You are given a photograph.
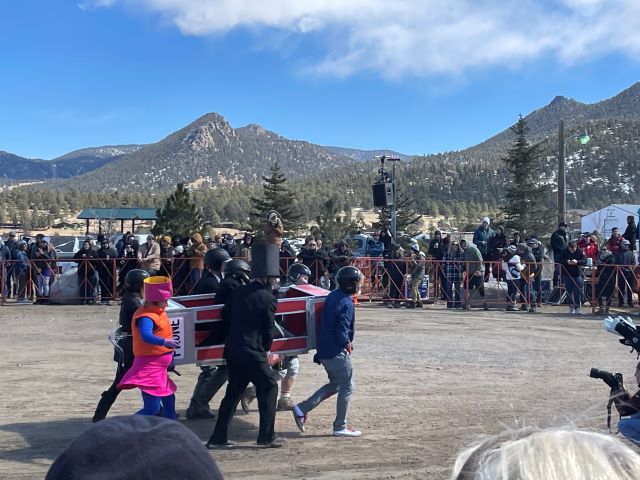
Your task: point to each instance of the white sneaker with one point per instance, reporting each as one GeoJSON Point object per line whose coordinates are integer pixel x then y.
{"type": "Point", "coordinates": [571, 310]}
{"type": "Point", "coordinates": [347, 432]}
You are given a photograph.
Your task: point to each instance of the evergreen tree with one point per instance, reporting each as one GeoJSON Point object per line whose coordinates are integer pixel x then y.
{"type": "Point", "coordinates": [525, 194]}
{"type": "Point", "coordinates": [275, 196]}
{"type": "Point", "coordinates": [332, 225]}
{"type": "Point", "coordinates": [180, 215]}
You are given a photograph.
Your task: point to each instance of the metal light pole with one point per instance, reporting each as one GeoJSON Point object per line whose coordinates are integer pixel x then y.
{"type": "Point", "coordinates": [583, 138]}
{"type": "Point", "coordinates": [562, 176]}
{"type": "Point", "coordinates": [394, 211]}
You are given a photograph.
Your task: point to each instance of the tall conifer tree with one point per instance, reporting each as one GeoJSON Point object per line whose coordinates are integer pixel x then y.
{"type": "Point", "coordinates": [179, 216]}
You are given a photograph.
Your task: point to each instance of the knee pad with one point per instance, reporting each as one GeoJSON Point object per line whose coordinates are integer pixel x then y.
{"type": "Point", "coordinates": [292, 365]}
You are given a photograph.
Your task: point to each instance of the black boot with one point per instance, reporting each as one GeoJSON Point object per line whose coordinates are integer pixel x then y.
{"type": "Point", "coordinates": [106, 400]}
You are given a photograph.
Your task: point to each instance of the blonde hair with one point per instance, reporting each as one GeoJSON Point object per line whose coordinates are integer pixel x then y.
{"type": "Point", "coordinates": [550, 454]}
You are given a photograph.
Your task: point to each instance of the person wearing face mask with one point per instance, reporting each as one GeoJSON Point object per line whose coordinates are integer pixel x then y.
{"type": "Point", "coordinates": [86, 259]}
{"type": "Point", "coordinates": [250, 316]}
{"type": "Point", "coordinates": [559, 243]}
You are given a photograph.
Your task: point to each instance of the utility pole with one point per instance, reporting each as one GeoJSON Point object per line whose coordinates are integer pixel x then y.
{"type": "Point", "coordinates": [394, 211]}
{"type": "Point", "coordinates": [562, 176]}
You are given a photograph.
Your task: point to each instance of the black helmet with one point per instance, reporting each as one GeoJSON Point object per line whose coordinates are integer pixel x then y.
{"type": "Point", "coordinates": [296, 270]}
{"type": "Point", "coordinates": [348, 278]}
{"type": "Point", "coordinates": [238, 269]}
{"type": "Point", "coordinates": [134, 279]}
{"type": "Point", "coordinates": [215, 257]}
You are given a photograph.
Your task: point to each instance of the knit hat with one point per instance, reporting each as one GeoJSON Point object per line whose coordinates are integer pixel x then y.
{"type": "Point", "coordinates": [512, 249]}
{"type": "Point", "coordinates": [158, 289]}
{"type": "Point", "coordinates": [486, 220]}
{"type": "Point", "coordinates": [136, 447]}
{"type": "Point", "coordinates": [167, 239]}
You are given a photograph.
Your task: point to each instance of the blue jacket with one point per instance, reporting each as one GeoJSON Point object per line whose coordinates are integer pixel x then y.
{"type": "Point", "coordinates": [337, 325]}
{"type": "Point", "coordinates": [481, 239]}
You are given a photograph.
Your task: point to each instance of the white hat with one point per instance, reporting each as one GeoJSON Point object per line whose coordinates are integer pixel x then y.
{"type": "Point", "coordinates": [486, 220]}
{"type": "Point", "coordinates": [512, 249]}
{"type": "Point", "coordinates": [415, 247]}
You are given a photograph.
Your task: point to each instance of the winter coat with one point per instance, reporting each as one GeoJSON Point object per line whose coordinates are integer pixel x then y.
{"type": "Point", "coordinates": [273, 233]}
{"type": "Point", "coordinates": [613, 244]}
{"type": "Point", "coordinates": [574, 271]}
{"type": "Point", "coordinates": [481, 239]}
{"type": "Point", "coordinates": [512, 267]}
{"type": "Point", "coordinates": [436, 248]}
{"type": "Point", "coordinates": [196, 253]}
{"type": "Point", "coordinates": [606, 275]}
{"type": "Point", "coordinates": [497, 244]}
{"type": "Point", "coordinates": [625, 257]}
{"type": "Point", "coordinates": [473, 261]}
{"type": "Point", "coordinates": [631, 234]}
{"type": "Point", "coordinates": [149, 257]}
{"type": "Point", "coordinates": [559, 244]}
{"type": "Point", "coordinates": [453, 265]}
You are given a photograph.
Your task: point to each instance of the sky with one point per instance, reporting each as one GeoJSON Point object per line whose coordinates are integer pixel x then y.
{"type": "Point", "coordinates": [415, 76]}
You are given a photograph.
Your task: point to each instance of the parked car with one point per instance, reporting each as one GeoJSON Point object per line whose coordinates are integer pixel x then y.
{"type": "Point", "coordinates": [362, 245]}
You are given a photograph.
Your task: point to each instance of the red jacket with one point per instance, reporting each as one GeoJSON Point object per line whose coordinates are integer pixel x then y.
{"type": "Point", "coordinates": [613, 244]}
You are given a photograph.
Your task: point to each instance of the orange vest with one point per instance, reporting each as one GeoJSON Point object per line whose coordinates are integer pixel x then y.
{"type": "Point", "coordinates": [162, 329]}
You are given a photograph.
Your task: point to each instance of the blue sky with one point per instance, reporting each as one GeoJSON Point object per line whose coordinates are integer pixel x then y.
{"type": "Point", "coordinates": [417, 76]}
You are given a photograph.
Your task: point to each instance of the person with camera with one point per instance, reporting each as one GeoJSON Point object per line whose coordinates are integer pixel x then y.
{"type": "Point", "coordinates": [273, 228]}
{"type": "Point", "coordinates": [572, 261]}
{"type": "Point", "coordinates": [128, 258]}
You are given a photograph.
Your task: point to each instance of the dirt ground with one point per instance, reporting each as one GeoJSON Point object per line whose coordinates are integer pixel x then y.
{"type": "Point", "coordinates": [428, 383]}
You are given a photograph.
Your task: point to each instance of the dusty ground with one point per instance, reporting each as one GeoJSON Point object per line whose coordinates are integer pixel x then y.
{"type": "Point", "coordinates": [428, 382]}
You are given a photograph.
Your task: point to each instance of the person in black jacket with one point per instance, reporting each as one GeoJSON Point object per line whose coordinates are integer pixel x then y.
{"type": "Point", "coordinates": [436, 251]}
{"type": "Point", "coordinates": [396, 269]}
{"type": "Point", "coordinates": [315, 260]}
{"type": "Point", "coordinates": [559, 244]}
{"type": "Point", "coordinates": [250, 315]}
{"type": "Point", "coordinates": [106, 271]}
{"type": "Point", "coordinates": [572, 261]}
{"type": "Point", "coordinates": [497, 246]}
{"type": "Point", "coordinates": [626, 279]}
{"type": "Point", "coordinates": [85, 258]}
{"type": "Point", "coordinates": [128, 258]}
{"type": "Point", "coordinates": [123, 353]}
{"type": "Point", "coordinates": [606, 274]}
{"type": "Point", "coordinates": [631, 232]}
{"type": "Point", "coordinates": [207, 385]}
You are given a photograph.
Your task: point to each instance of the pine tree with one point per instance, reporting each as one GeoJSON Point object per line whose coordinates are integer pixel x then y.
{"type": "Point", "coordinates": [526, 196]}
{"type": "Point", "coordinates": [275, 196]}
{"type": "Point", "coordinates": [179, 216]}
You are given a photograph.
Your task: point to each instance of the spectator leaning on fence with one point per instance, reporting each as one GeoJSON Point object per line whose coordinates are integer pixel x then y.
{"type": "Point", "coordinates": [474, 270]}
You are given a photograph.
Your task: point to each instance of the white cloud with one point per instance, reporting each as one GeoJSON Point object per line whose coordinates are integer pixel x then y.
{"type": "Point", "coordinates": [419, 37]}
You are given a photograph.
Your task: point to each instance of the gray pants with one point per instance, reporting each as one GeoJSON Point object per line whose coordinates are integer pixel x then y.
{"type": "Point", "coordinates": [340, 374]}
{"type": "Point", "coordinates": [210, 380]}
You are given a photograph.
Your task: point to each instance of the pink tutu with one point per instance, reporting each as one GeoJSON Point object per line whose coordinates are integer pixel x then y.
{"type": "Point", "coordinates": [149, 374]}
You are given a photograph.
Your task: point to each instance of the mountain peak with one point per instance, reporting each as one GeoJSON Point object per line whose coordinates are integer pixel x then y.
{"type": "Point", "coordinates": [562, 101]}
{"type": "Point", "coordinates": [257, 131]}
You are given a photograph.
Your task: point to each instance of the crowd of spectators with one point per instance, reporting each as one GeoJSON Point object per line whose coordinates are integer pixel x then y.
{"type": "Point", "coordinates": [457, 269]}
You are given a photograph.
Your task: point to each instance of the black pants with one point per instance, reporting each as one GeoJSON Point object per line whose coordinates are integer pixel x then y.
{"type": "Point", "coordinates": [626, 282]}
{"type": "Point", "coordinates": [241, 372]}
{"type": "Point", "coordinates": [210, 380]}
{"type": "Point", "coordinates": [487, 266]}
{"type": "Point", "coordinates": [125, 360]}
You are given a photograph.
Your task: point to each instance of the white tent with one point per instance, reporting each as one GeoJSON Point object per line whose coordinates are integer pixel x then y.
{"type": "Point", "coordinates": [609, 217]}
